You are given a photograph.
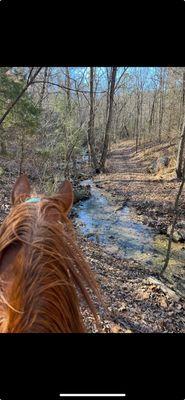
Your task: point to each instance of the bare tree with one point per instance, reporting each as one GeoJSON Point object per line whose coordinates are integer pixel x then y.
{"type": "Point", "coordinates": [109, 119]}
{"type": "Point", "coordinates": [161, 100]}
{"type": "Point", "coordinates": [182, 102]}
{"type": "Point", "coordinates": [68, 85]}
{"type": "Point", "coordinates": [91, 139]}
{"type": "Point", "coordinates": [151, 118]}
{"type": "Point", "coordinates": [43, 86]}
{"type": "Point", "coordinates": [179, 171]}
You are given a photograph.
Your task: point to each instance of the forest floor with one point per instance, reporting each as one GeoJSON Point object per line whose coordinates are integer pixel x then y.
{"type": "Point", "coordinates": [151, 194]}
{"type": "Point", "coordinates": [136, 301]}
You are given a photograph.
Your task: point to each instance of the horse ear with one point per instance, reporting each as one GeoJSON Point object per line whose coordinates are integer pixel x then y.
{"type": "Point", "coordinates": [20, 188]}
{"type": "Point", "coordinates": [67, 197]}
{"type": "Point", "coordinates": [8, 255]}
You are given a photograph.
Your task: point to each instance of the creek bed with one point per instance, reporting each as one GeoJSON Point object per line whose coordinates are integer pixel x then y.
{"type": "Point", "coordinates": [121, 232]}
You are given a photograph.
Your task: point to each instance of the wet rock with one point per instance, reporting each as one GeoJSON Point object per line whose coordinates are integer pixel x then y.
{"type": "Point", "coordinates": [163, 162]}
{"type": "Point", "coordinates": [181, 287]}
{"type": "Point", "coordinates": [165, 289]}
{"type": "Point", "coordinates": [177, 237]}
{"type": "Point", "coordinates": [112, 249]}
{"type": "Point", "coordinates": [181, 229]}
{"type": "Point", "coordinates": [122, 205]}
{"type": "Point", "coordinates": [152, 168]}
{"type": "Point", "coordinates": [156, 165]}
{"type": "Point", "coordinates": [179, 232]}
{"type": "Point", "coordinates": [111, 237]}
{"type": "Point", "coordinates": [82, 193]}
{"type": "Point", "coordinates": [90, 234]}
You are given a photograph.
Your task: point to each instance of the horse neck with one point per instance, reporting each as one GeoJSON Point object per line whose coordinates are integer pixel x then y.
{"type": "Point", "coordinates": [40, 293]}
{"type": "Point", "coordinates": [41, 299]}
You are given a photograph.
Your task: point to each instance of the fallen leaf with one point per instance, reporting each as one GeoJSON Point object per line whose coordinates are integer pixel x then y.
{"type": "Point", "coordinates": [163, 303]}
{"type": "Point", "coordinates": [115, 328]}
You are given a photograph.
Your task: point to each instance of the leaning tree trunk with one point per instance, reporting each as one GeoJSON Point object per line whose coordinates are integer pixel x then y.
{"type": "Point", "coordinates": [90, 132]}
{"type": "Point", "coordinates": [180, 153]}
{"type": "Point", "coordinates": [174, 221]}
{"type": "Point", "coordinates": [109, 119]}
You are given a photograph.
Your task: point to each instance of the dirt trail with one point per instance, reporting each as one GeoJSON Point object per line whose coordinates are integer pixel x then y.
{"type": "Point", "coordinates": [127, 178]}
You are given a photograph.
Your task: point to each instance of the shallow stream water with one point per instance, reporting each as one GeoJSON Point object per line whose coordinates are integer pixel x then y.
{"type": "Point", "coordinates": [123, 234]}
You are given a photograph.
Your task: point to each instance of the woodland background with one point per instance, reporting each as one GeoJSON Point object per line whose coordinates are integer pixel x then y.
{"type": "Point", "coordinates": [123, 127]}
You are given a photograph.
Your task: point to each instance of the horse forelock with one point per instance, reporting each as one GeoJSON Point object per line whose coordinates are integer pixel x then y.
{"type": "Point", "coordinates": [48, 273]}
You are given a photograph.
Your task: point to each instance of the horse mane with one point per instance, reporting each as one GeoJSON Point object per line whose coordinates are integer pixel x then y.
{"type": "Point", "coordinates": [42, 289]}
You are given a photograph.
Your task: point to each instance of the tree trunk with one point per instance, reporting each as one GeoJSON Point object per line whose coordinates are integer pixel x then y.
{"type": "Point", "coordinates": [108, 94]}
{"type": "Point", "coordinates": [21, 152]}
{"type": "Point", "coordinates": [109, 119]}
{"type": "Point", "coordinates": [161, 101]}
{"type": "Point", "coordinates": [141, 117]}
{"type": "Point", "coordinates": [180, 153]}
{"type": "Point", "coordinates": [126, 130]}
{"type": "Point", "coordinates": [68, 85]}
{"type": "Point", "coordinates": [151, 120]}
{"type": "Point", "coordinates": [68, 153]}
{"type": "Point", "coordinates": [90, 132]}
{"type": "Point", "coordinates": [3, 141]}
{"type": "Point", "coordinates": [137, 121]}
{"type": "Point", "coordinates": [43, 86]}
{"type": "Point", "coordinates": [182, 103]}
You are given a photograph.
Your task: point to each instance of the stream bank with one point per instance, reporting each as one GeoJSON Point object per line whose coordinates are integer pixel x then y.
{"type": "Point", "coordinates": [121, 232]}
{"type": "Point", "coordinates": [137, 301]}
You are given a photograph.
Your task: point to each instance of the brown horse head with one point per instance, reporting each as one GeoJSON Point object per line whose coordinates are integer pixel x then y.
{"type": "Point", "coordinates": [43, 274]}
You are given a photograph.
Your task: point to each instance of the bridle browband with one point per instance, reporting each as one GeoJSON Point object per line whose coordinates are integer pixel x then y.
{"type": "Point", "coordinates": [33, 200]}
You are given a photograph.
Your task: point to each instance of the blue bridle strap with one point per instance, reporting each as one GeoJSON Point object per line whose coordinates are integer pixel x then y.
{"type": "Point", "coordinates": [33, 200]}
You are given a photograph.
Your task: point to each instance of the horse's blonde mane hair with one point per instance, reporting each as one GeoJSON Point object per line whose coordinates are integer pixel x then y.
{"type": "Point", "coordinates": [42, 289]}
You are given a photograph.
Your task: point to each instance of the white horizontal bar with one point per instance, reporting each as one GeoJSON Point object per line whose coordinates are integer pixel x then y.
{"type": "Point", "coordinates": [92, 394]}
